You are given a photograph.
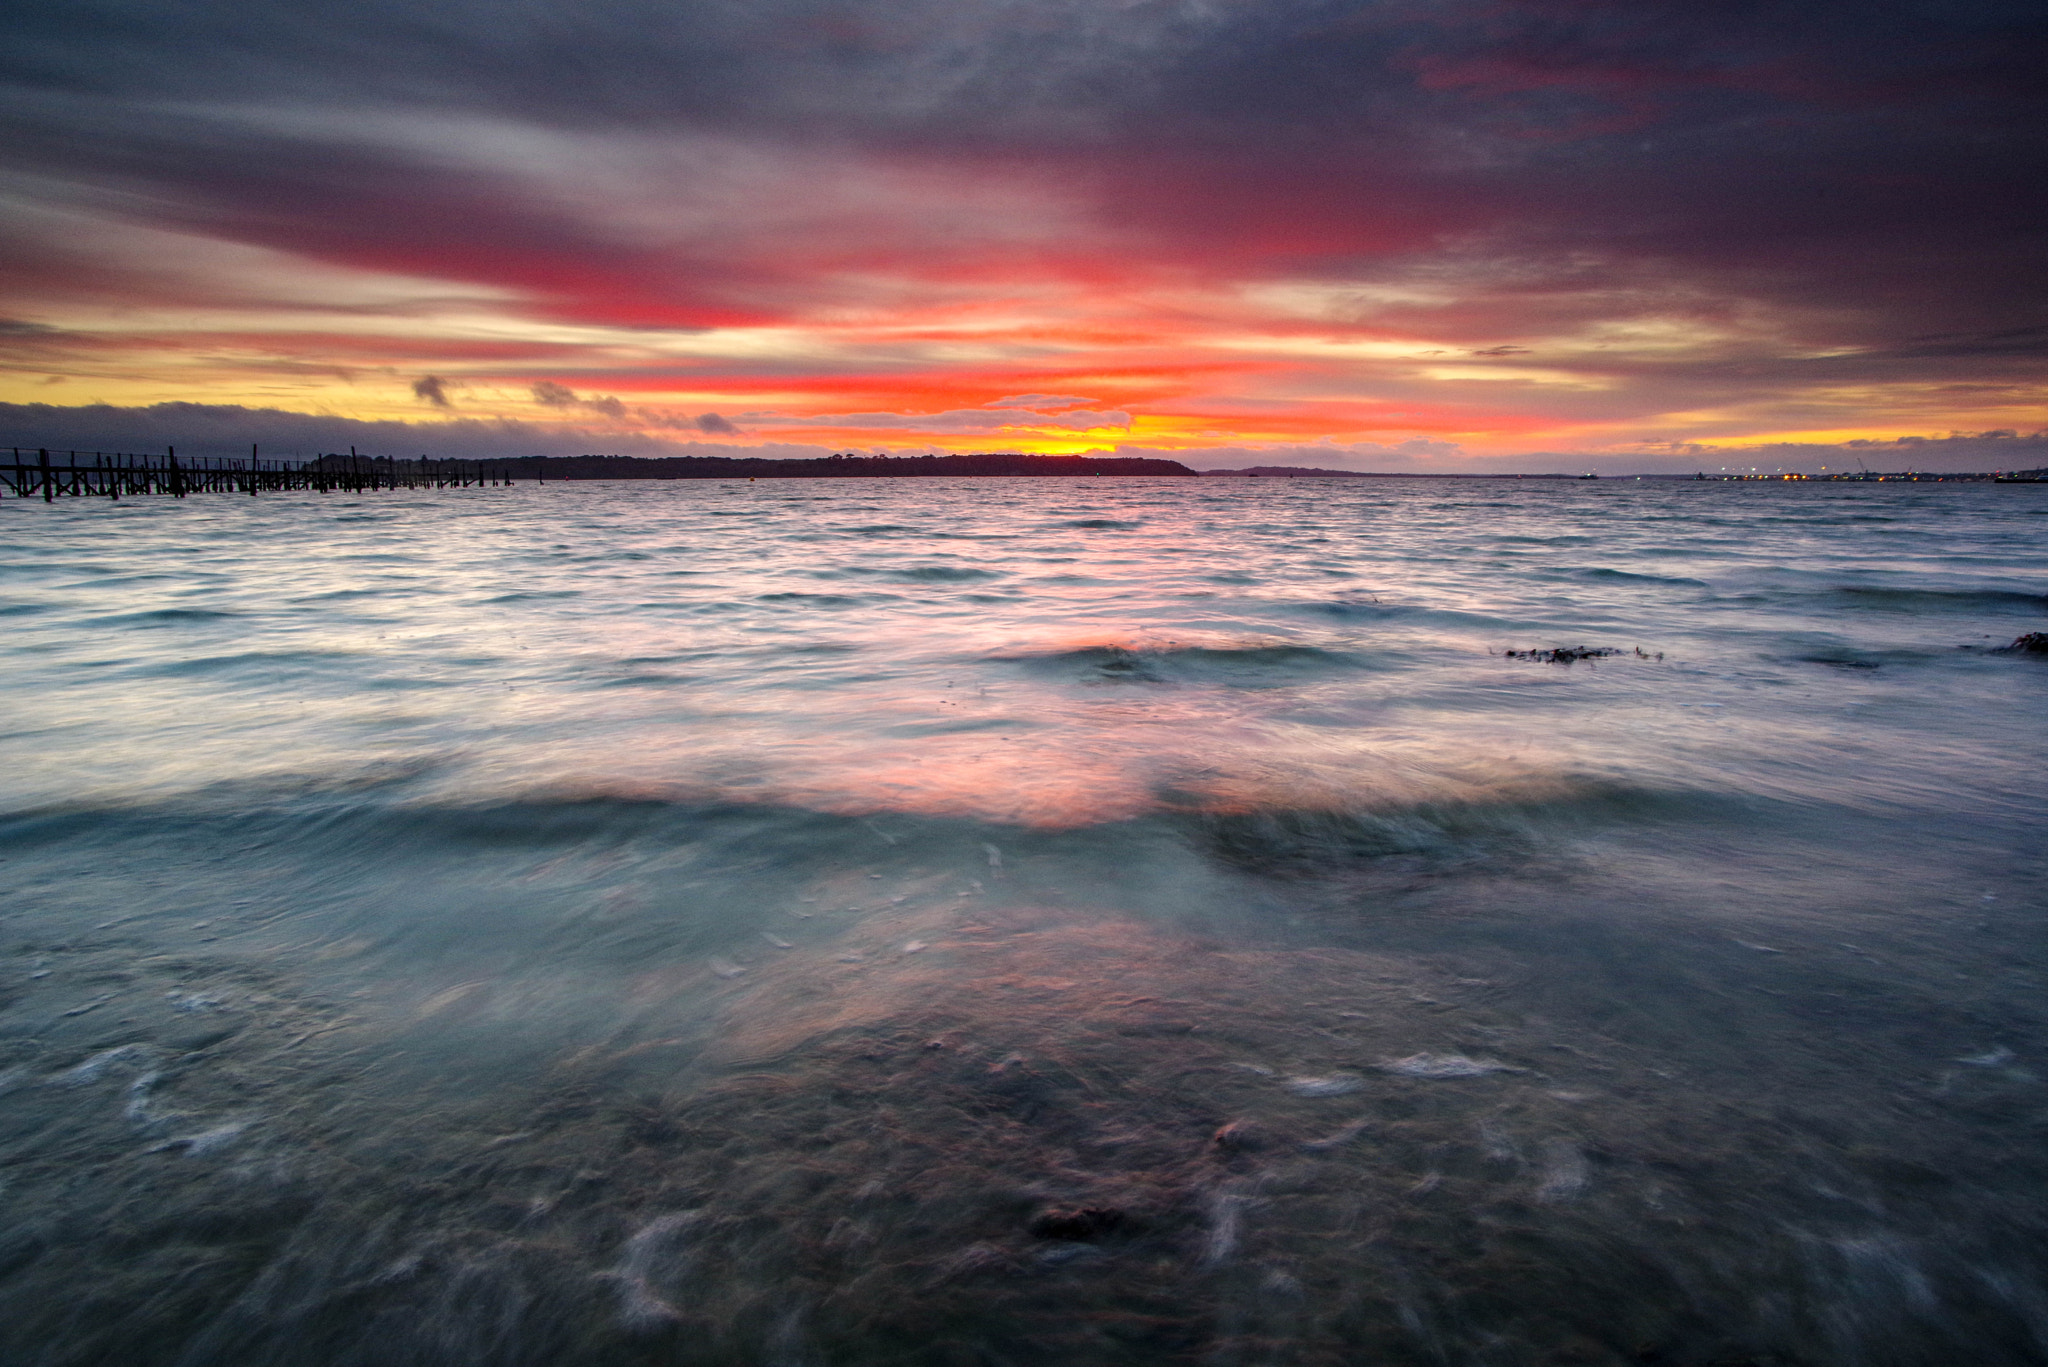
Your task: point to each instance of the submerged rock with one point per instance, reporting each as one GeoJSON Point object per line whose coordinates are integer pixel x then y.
{"type": "Point", "coordinates": [1239, 1136]}
{"type": "Point", "coordinates": [1084, 1224]}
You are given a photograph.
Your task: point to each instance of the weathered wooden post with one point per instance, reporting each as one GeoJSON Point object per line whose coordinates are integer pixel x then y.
{"type": "Point", "coordinates": [43, 459]}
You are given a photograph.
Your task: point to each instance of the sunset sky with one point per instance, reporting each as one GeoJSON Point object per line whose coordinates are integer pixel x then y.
{"type": "Point", "coordinates": [1416, 234]}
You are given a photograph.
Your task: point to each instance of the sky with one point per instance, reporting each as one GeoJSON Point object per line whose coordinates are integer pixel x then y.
{"type": "Point", "coordinates": [1455, 235]}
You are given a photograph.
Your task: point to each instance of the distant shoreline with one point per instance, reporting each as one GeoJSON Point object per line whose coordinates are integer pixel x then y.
{"type": "Point", "coordinates": [543, 469]}
{"type": "Point", "coordinates": [834, 467]}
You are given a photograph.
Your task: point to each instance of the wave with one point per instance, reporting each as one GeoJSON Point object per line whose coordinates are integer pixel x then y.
{"type": "Point", "coordinates": [1246, 665]}
{"type": "Point", "coordinates": [30, 569]}
{"type": "Point", "coordinates": [1625, 576]}
{"type": "Point", "coordinates": [339, 594]}
{"type": "Point", "coordinates": [1372, 610]}
{"type": "Point", "coordinates": [252, 659]}
{"type": "Point", "coordinates": [389, 806]}
{"type": "Point", "coordinates": [1511, 817]}
{"type": "Point", "coordinates": [1836, 655]}
{"type": "Point", "coordinates": [1101, 524]}
{"type": "Point", "coordinates": [952, 727]}
{"type": "Point", "coordinates": [647, 681]}
{"type": "Point", "coordinates": [1938, 600]}
{"type": "Point", "coordinates": [925, 574]}
{"type": "Point", "coordinates": [166, 617]}
{"type": "Point", "coordinates": [827, 600]}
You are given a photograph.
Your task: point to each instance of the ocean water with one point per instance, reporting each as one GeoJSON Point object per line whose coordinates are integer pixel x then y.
{"type": "Point", "coordinates": [1020, 922]}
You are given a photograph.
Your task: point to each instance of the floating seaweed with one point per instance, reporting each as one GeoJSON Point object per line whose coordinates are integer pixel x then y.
{"type": "Point", "coordinates": [1571, 654]}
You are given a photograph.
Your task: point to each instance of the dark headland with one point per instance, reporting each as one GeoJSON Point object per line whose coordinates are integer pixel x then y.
{"type": "Point", "coordinates": [831, 467]}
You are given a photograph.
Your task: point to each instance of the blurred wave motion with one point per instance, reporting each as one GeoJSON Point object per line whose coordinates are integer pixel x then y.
{"type": "Point", "coordinates": [1011, 922]}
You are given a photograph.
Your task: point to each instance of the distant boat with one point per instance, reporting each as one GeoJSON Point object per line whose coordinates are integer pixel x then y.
{"type": "Point", "coordinates": [1589, 476]}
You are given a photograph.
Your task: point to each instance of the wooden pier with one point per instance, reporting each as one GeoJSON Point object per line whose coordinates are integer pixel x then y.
{"type": "Point", "coordinates": [52, 475]}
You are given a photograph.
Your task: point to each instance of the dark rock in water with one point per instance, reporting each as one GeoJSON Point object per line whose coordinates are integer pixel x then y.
{"type": "Point", "coordinates": [1084, 1224]}
{"type": "Point", "coordinates": [2033, 643]}
{"type": "Point", "coordinates": [1239, 1136]}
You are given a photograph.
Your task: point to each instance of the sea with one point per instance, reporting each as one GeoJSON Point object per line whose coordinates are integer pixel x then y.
{"type": "Point", "coordinates": [1026, 923]}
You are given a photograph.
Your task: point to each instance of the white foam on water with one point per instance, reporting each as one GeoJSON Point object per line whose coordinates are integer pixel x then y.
{"type": "Point", "coordinates": [1339, 1137]}
{"type": "Point", "coordinates": [90, 1070]}
{"type": "Point", "coordinates": [206, 1141]}
{"type": "Point", "coordinates": [1565, 1173]}
{"type": "Point", "coordinates": [1225, 1210]}
{"type": "Point", "coordinates": [137, 1108]}
{"type": "Point", "coordinates": [650, 1251]}
{"type": "Point", "coordinates": [1445, 1066]}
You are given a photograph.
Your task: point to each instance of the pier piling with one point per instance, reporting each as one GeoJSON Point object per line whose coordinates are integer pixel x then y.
{"type": "Point", "coordinates": [108, 474]}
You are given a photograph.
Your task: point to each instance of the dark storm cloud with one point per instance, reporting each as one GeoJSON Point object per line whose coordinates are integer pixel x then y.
{"type": "Point", "coordinates": [2027, 341]}
{"type": "Point", "coordinates": [204, 429]}
{"type": "Point", "coordinates": [1550, 99]}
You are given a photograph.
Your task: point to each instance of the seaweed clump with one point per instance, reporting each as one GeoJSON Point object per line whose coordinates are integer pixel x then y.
{"type": "Point", "coordinates": [2033, 643]}
{"type": "Point", "coordinates": [1565, 655]}
{"type": "Point", "coordinates": [1085, 1225]}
